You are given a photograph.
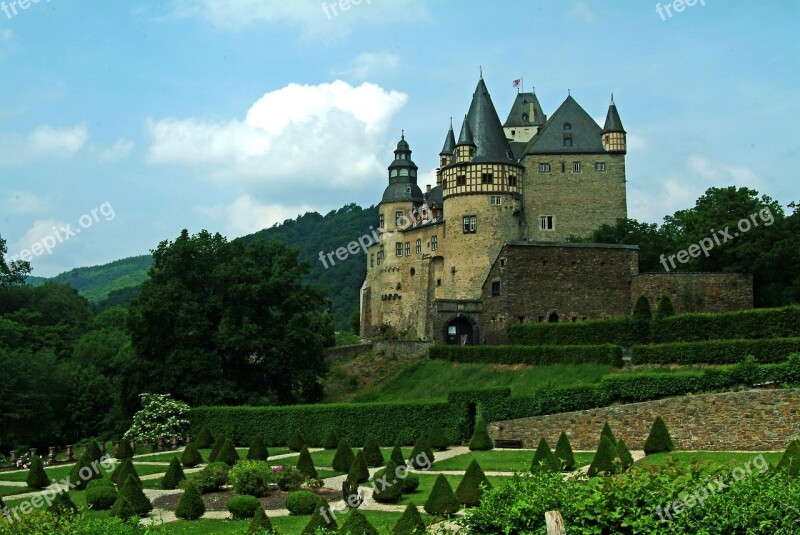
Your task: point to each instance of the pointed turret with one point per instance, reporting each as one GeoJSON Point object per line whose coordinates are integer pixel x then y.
{"type": "Point", "coordinates": [491, 142]}
{"type": "Point", "coordinates": [402, 176]}
{"type": "Point", "coordinates": [449, 147]}
{"type": "Point", "coordinates": [613, 122]}
{"type": "Point", "coordinates": [466, 137]}
{"type": "Point", "coordinates": [465, 148]}
{"type": "Point", "coordinates": [614, 135]}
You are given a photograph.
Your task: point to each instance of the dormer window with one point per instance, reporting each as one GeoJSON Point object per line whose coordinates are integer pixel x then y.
{"type": "Point", "coordinates": [567, 126]}
{"type": "Point", "coordinates": [393, 173]}
{"type": "Point", "coordinates": [525, 117]}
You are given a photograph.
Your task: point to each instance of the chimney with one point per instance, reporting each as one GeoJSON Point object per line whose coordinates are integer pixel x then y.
{"type": "Point", "coordinates": [429, 188]}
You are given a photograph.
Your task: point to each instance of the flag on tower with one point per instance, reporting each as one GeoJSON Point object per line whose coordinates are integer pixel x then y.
{"type": "Point", "coordinates": [517, 82]}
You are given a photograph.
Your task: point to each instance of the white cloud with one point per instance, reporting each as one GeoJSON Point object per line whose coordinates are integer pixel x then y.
{"type": "Point", "coordinates": [328, 136]}
{"type": "Point", "coordinates": [370, 64]}
{"type": "Point", "coordinates": [46, 142]}
{"type": "Point", "coordinates": [316, 19]}
{"type": "Point", "coordinates": [581, 12]}
{"type": "Point", "coordinates": [119, 151]}
{"type": "Point", "coordinates": [26, 203]}
{"type": "Point", "coordinates": [42, 231]}
{"type": "Point", "coordinates": [246, 215]}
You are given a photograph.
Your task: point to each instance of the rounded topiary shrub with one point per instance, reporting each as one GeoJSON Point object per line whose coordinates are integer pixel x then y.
{"type": "Point", "coordinates": [359, 472]}
{"type": "Point", "coordinates": [174, 476]}
{"type": "Point", "coordinates": [344, 457]}
{"type": "Point", "coordinates": [37, 477]}
{"type": "Point", "coordinates": [191, 456]}
{"type": "Point", "coordinates": [243, 507]}
{"type": "Point", "coordinates": [251, 478]}
{"type": "Point", "coordinates": [410, 483]}
{"type": "Point", "coordinates": [289, 478]}
{"type": "Point", "coordinates": [392, 492]}
{"type": "Point", "coordinates": [480, 441]}
{"type": "Point", "coordinates": [544, 459]}
{"type": "Point", "coordinates": [437, 439]}
{"type": "Point", "coordinates": [191, 506]}
{"type": "Point", "coordinates": [658, 441]}
{"type": "Point", "coordinates": [664, 309]}
{"type": "Point", "coordinates": [215, 449]}
{"type": "Point", "coordinates": [564, 453]}
{"type": "Point", "coordinates": [228, 454]}
{"type": "Point", "coordinates": [410, 523]}
{"type": "Point", "coordinates": [302, 502]}
{"type": "Point", "coordinates": [442, 501]}
{"type": "Point", "coordinates": [372, 452]}
{"type": "Point", "coordinates": [261, 523]}
{"type": "Point", "coordinates": [122, 509]}
{"type": "Point", "coordinates": [331, 441]}
{"type": "Point", "coordinates": [297, 442]}
{"type": "Point", "coordinates": [258, 450]}
{"type": "Point", "coordinates": [603, 462]}
{"type": "Point", "coordinates": [473, 484]}
{"type": "Point", "coordinates": [306, 464]}
{"type": "Point", "coordinates": [204, 439]}
{"type": "Point", "coordinates": [211, 478]}
{"type": "Point", "coordinates": [357, 524]}
{"type": "Point", "coordinates": [101, 495]}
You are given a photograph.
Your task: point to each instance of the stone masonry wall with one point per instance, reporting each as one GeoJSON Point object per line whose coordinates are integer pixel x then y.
{"type": "Point", "coordinates": [696, 292]}
{"type": "Point", "coordinates": [749, 420]}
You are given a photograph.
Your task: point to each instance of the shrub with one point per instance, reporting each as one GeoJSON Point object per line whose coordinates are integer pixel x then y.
{"type": "Point", "coordinates": [101, 495]}
{"type": "Point", "coordinates": [251, 478]}
{"type": "Point", "coordinates": [161, 417]}
{"type": "Point", "coordinates": [437, 439]}
{"type": "Point", "coordinates": [258, 451]}
{"type": "Point", "coordinates": [410, 483]}
{"type": "Point", "coordinates": [716, 351]}
{"type": "Point", "coordinates": [211, 478]}
{"type": "Point", "coordinates": [243, 507]}
{"type": "Point", "coordinates": [83, 472]}
{"type": "Point", "coordinates": [289, 478]}
{"type": "Point", "coordinates": [472, 485]}
{"type": "Point", "coordinates": [592, 332]}
{"type": "Point", "coordinates": [331, 440]}
{"type": "Point", "coordinates": [357, 524]}
{"type": "Point", "coordinates": [319, 523]}
{"type": "Point", "coordinates": [174, 476]}
{"type": "Point", "coordinates": [62, 505]}
{"type": "Point", "coordinates": [442, 501]}
{"type": "Point", "coordinates": [37, 477]}
{"type": "Point", "coordinates": [603, 462]}
{"type": "Point", "coordinates": [191, 506]}
{"type": "Point", "coordinates": [790, 461]}
{"type": "Point", "coordinates": [642, 310]}
{"type": "Point", "coordinates": [624, 455]}
{"type": "Point", "coordinates": [359, 472]}
{"type": "Point", "coordinates": [609, 434]}
{"type": "Point", "coordinates": [642, 318]}
{"type": "Point", "coordinates": [658, 440]}
{"type": "Point", "coordinates": [481, 441]}
{"type": "Point", "coordinates": [343, 458]}
{"type": "Point", "coordinates": [204, 439]}
{"type": "Point", "coordinates": [125, 451]}
{"type": "Point", "coordinates": [421, 451]}
{"type": "Point", "coordinates": [216, 449]}
{"type": "Point", "coordinates": [410, 523]}
{"type": "Point", "coordinates": [122, 509]}
{"type": "Point", "coordinates": [533, 355]}
{"type": "Point", "coordinates": [228, 454]}
{"type": "Point", "coordinates": [393, 490]}
{"type": "Point", "coordinates": [305, 464]}
{"type": "Point", "coordinates": [132, 491]}
{"type": "Point", "coordinates": [94, 451]}
{"type": "Point", "coordinates": [350, 493]}
{"type": "Point", "coordinates": [121, 473]}
{"type": "Point", "coordinates": [564, 453]}
{"type": "Point", "coordinates": [191, 456]}
{"type": "Point", "coordinates": [397, 456]}
{"type": "Point", "coordinates": [372, 452]}
{"type": "Point", "coordinates": [260, 523]}
{"type": "Point", "coordinates": [664, 309]}
{"type": "Point", "coordinates": [297, 442]}
{"type": "Point", "coordinates": [302, 502]}
{"type": "Point", "coordinates": [544, 459]}
{"type": "Point", "coordinates": [755, 323]}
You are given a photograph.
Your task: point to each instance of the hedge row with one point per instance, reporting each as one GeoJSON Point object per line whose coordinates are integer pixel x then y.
{"type": "Point", "coordinates": [716, 351]}
{"type": "Point", "coordinates": [533, 355]}
{"type": "Point", "coordinates": [760, 323]}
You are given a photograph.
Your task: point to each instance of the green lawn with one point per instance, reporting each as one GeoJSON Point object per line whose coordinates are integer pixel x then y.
{"type": "Point", "coordinates": [57, 473]}
{"type": "Point", "coordinates": [167, 456]}
{"type": "Point", "coordinates": [325, 458]}
{"type": "Point", "coordinates": [500, 461]}
{"type": "Point", "coordinates": [9, 491]}
{"type": "Point", "coordinates": [727, 459]}
{"type": "Point", "coordinates": [426, 481]}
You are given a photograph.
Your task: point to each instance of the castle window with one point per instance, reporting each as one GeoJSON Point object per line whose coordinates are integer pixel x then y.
{"type": "Point", "coordinates": [470, 224]}
{"type": "Point", "coordinates": [380, 255]}
{"type": "Point", "coordinates": [434, 243]}
{"type": "Point", "coordinates": [599, 166]}
{"type": "Point", "coordinates": [438, 282]}
{"type": "Point", "coordinates": [563, 167]}
{"type": "Point", "coordinates": [380, 221]}
{"type": "Point", "coordinates": [547, 222]}
{"type": "Point", "coordinates": [567, 126]}
{"type": "Point", "coordinates": [512, 181]}
{"type": "Point", "coordinates": [525, 117]}
{"type": "Point", "coordinates": [413, 271]}
{"type": "Point", "coordinates": [576, 167]}
{"type": "Point", "coordinates": [544, 167]}
{"type": "Point", "coordinates": [372, 260]}
{"type": "Point", "coordinates": [398, 248]}
{"type": "Point", "coordinates": [471, 152]}
{"type": "Point", "coordinates": [521, 319]}
{"type": "Point", "coordinates": [495, 288]}
{"type": "Point", "coordinates": [408, 248]}
{"type": "Point", "coordinates": [513, 132]}
{"type": "Point", "coordinates": [444, 184]}
{"type": "Point", "coordinates": [393, 173]}
{"type": "Point", "coordinates": [419, 246]}
{"type": "Point", "coordinates": [502, 262]}
{"type": "Point", "coordinates": [413, 173]}
{"type": "Point", "coordinates": [398, 218]}
{"type": "Point", "coordinates": [403, 172]}
{"type": "Point", "coordinates": [487, 178]}
{"type": "Point", "coordinates": [495, 200]}
{"type": "Point", "coordinates": [567, 140]}
{"type": "Point", "coordinates": [461, 180]}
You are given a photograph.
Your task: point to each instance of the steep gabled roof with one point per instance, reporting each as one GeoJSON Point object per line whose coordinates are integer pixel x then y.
{"type": "Point", "coordinates": [520, 114]}
{"type": "Point", "coordinates": [584, 131]}
{"type": "Point", "coordinates": [490, 139]}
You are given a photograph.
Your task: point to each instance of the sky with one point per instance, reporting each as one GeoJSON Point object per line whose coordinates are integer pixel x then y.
{"type": "Point", "coordinates": [122, 123]}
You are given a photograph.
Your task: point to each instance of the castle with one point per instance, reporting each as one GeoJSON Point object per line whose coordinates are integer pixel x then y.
{"type": "Point", "coordinates": [494, 241]}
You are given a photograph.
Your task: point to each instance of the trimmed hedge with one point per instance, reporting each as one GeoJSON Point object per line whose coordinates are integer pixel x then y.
{"type": "Point", "coordinates": [533, 355]}
{"type": "Point", "coordinates": [618, 331]}
{"type": "Point", "coordinates": [716, 351]}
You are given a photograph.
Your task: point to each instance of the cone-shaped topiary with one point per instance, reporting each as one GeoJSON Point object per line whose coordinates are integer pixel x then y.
{"type": "Point", "coordinates": [624, 454]}
{"type": "Point", "coordinates": [331, 440]}
{"type": "Point", "coordinates": [658, 441]}
{"type": "Point", "coordinates": [410, 483]}
{"type": "Point", "coordinates": [480, 441]}
{"type": "Point", "coordinates": [132, 491]}
{"type": "Point", "coordinates": [470, 489]}
{"type": "Point", "coordinates": [357, 524]}
{"type": "Point", "coordinates": [350, 488]}
{"type": "Point", "coordinates": [397, 456]}
{"type": "Point", "coordinates": [564, 453]}
{"type": "Point", "coordinates": [261, 523]}
{"type": "Point", "coordinates": [359, 472]}
{"type": "Point", "coordinates": [442, 501]}
{"type": "Point", "coordinates": [642, 315]}
{"type": "Point", "coordinates": [174, 476]}
{"type": "Point", "coordinates": [191, 456]}
{"type": "Point", "coordinates": [790, 461]}
{"type": "Point", "coordinates": [101, 495]}
{"type": "Point", "coordinates": [422, 455]}
{"type": "Point", "coordinates": [603, 461]}
{"type": "Point", "coordinates": [120, 474]}
{"type": "Point", "coordinates": [306, 464]}
{"type": "Point", "coordinates": [258, 450]}
{"type": "Point", "coordinates": [319, 521]}
{"type": "Point", "coordinates": [215, 449]}
{"type": "Point", "coordinates": [544, 459]}
{"type": "Point", "coordinates": [83, 472]}
{"type": "Point", "coordinates": [125, 451]}
{"type": "Point", "coordinates": [122, 509]}
{"type": "Point", "coordinates": [343, 458]}
{"type": "Point", "coordinates": [664, 309]}
{"type": "Point", "coordinates": [609, 434]}
{"type": "Point", "coordinates": [191, 506]}
{"type": "Point", "coordinates": [62, 505]}
{"type": "Point", "coordinates": [94, 451]}
{"type": "Point", "coordinates": [37, 477]}
{"type": "Point", "coordinates": [372, 452]}
{"type": "Point", "coordinates": [297, 442]}
{"type": "Point", "coordinates": [641, 310]}
{"type": "Point", "coordinates": [388, 489]}
{"type": "Point", "coordinates": [228, 454]}
{"type": "Point", "coordinates": [205, 439]}
{"type": "Point", "coordinates": [437, 439]}
{"type": "Point", "coordinates": [410, 523]}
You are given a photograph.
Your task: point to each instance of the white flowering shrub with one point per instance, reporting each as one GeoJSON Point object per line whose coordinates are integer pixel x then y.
{"type": "Point", "coordinates": [160, 417]}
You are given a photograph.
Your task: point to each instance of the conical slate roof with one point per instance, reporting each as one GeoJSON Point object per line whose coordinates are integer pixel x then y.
{"type": "Point", "coordinates": [613, 122]}
{"type": "Point", "coordinates": [526, 111]}
{"type": "Point", "coordinates": [449, 142]}
{"type": "Point", "coordinates": [466, 137]}
{"type": "Point", "coordinates": [491, 142]}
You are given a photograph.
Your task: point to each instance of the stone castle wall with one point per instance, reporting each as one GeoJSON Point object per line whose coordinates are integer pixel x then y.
{"type": "Point", "coordinates": [695, 292]}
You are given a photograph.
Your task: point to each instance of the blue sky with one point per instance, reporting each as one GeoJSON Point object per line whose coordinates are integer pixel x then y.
{"type": "Point", "coordinates": [130, 121]}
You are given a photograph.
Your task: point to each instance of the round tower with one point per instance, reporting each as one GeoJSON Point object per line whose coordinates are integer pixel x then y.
{"type": "Point", "coordinates": [614, 136]}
